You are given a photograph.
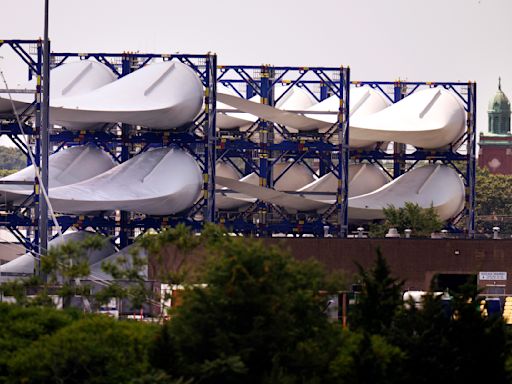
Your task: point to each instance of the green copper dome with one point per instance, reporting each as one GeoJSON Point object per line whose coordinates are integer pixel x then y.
{"type": "Point", "coordinates": [500, 102]}
{"type": "Point", "coordinates": [499, 113]}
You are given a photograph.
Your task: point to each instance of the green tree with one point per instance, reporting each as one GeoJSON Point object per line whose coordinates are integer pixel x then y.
{"type": "Point", "coordinates": [67, 264]}
{"type": "Point", "coordinates": [379, 301]}
{"type": "Point", "coordinates": [493, 199]}
{"type": "Point", "coordinates": [19, 289]}
{"type": "Point", "coordinates": [365, 358]}
{"type": "Point", "coordinates": [96, 349]}
{"type": "Point", "coordinates": [175, 245]}
{"type": "Point", "coordinates": [422, 221]}
{"type": "Point", "coordinates": [493, 193]}
{"type": "Point", "coordinates": [20, 327]}
{"type": "Point", "coordinates": [129, 280]}
{"type": "Point", "coordinates": [442, 342]}
{"type": "Point", "coordinates": [259, 318]}
{"type": "Point", "coordinates": [450, 341]}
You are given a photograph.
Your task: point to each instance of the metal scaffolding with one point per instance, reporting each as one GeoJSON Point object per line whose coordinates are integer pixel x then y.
{"type": "Point", "coordinates": [122, 142]}
{"type": "Point", "coordinates": [23, 221]}
{"type": "Point", "coordinates": [254, 149]}
{"type": "Point", "coordinates": [461, 155]}
{"type": "Point", "coordinates": [259, 152]}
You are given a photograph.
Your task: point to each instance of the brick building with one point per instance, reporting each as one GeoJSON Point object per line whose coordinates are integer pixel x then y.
{"type": "Point", "coordinates": [496, 145]}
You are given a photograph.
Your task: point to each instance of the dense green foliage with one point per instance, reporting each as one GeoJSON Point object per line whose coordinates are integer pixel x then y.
{"type": "Point", "coordinates": [92, 350]}
{"type": "Point", "coordinates": [259, 319]}
{"type": "Point", "coordinates": [493, 199]}
{"type": "Point", "coordinates": [439, 343]}
{"type": "Point", "coordinates": [45, 345]}
{"type": "Point", "coordinates": [365, 358]}
{"type": "Point", "coordinates": [493, 193]}
{"type": "Point", "coordinates": [445, 340]}
{"type": "Point", "coordinates": [421, 221]}
{"type": "Point", "coordinates": [7, 172]}
{"type": "Point", "coordinates": [258, 316]}
{"type": "Point", "coordinates": [20, 327]}
{"type": "Point", "coordinates": [380, 299]}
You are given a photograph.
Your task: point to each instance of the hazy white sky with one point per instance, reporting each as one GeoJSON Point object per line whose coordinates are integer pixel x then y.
{"type": "Point", "coordinates": [418, 40]}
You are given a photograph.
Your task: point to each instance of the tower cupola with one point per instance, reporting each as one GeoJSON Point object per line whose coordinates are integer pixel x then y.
{"type": "Point", "coordinates": [499, 113]}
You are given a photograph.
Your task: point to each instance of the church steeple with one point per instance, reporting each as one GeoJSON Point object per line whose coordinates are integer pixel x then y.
{"type": "Point", "coordinates": [499, 113]}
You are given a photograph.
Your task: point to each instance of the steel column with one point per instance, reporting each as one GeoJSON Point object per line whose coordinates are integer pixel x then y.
{"type": "Point", "coordinates": [471, 159]}
{"type": "Point", "coordinates": [344, 151]}
{"type": "Point", "coordinates": [210, 101]}
{"type": "Point", "coordinates": [45, 126]}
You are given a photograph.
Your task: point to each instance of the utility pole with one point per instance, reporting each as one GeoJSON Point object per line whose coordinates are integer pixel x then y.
{"type": "Point", "coordinates": [45, 125]}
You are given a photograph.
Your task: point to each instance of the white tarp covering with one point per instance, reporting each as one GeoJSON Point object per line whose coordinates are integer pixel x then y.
{"type": "Point", "coordinates": [431, 185]}
{"type": "Point", "coordinates": [160, 181]}
{"type": "Point", "coordinates": [68, 79]}
{"type": "Point", "coordinates": [287, 98]}
{"type": "Point", "coordinates": [162, 96]}
{"type": "Point", "coordinates": [289, 178]}
{"type": "Point", "coordinates": [165, 181]}
{"type": "Point", "coordinates": [438, 186]}
{"type": "Point", "coordinates": [363, 178]}
{"type": "Point", "coordinates": [430, 118]}
{"type": "Point", "coordinates": [67, 166]}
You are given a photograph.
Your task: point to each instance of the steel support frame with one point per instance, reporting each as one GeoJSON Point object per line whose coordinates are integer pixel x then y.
{"type": "Point", "coordinates": [239, 148]}
{"type": "Point", "coordinates": [15, 220]}
{"type": "Point", "coordinates": [201, 146]}
{"type": "Point", "coordinates": [466, 92]}
{"type": "Point", "coordinates": [320, 82]}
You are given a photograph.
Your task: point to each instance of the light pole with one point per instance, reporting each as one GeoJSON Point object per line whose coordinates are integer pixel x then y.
{"type": "Point", "coordinates": [45, 124]}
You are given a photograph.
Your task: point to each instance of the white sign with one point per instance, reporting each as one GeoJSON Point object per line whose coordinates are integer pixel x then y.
{"type": "Point", "coordinates": [492, 276]}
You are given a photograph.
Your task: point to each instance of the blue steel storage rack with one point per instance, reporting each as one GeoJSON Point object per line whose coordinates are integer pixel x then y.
{"type": "Point", "coordinates": [26, 216]}
{"type": "Point", "coordinates": [265, 219]}
{"type": "Point", "coordinates": [236, 147]}
{"type": "Point", "coordinates": [200, 142]}
{"type": "Point", "coordinates": [463, 152]}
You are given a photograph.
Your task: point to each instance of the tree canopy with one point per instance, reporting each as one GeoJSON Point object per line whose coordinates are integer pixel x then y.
{"type": "Point", "coordinates": [494, 200]}
{"type": "Point", "coordinates": [254, 314]}
{"type": "Point", "coordinates": [258, 318]}
{"type": "Point", "coordinates": [411, 216]}
{"type": "Point", "coordinates": [380, 299]}
{"type": "Point", "coordinates": [94, 349]}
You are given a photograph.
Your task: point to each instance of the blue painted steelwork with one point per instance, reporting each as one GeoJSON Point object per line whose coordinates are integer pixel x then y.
{"type": "Point", "coordinates": [122, 143]}
{"type": "Point", "coordinates": [247, 156]}
{"type": "Point", "coordinates": [343, 138]}
{"type": "Point", "coordinates": [463, 151]}
{"type": "Point", "coordinates": [27, 215]}
{"type": "Point", "coordinates": [471, 160]}
{"type": "Point", "coordinates": [201, 142]}
{"type": "Point", "coordinates": [125, 237]}
{"type": "Point", "coordinates": [306, 148]}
